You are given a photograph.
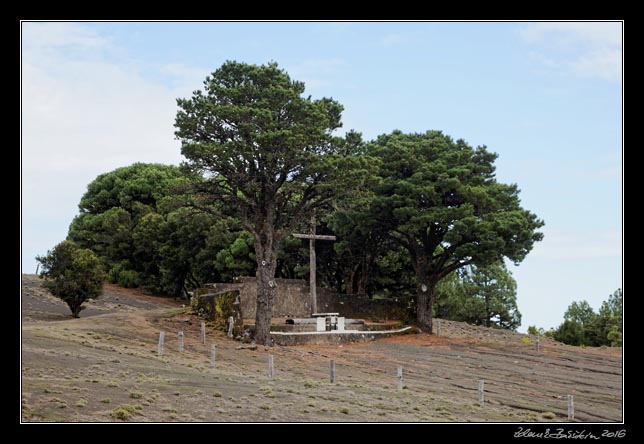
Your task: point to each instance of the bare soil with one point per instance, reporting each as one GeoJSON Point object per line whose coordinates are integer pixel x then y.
{"type": "Point", "coordinates": [104, 367]}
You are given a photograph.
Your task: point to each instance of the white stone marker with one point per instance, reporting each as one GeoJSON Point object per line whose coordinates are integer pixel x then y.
{"type": "Point", "coordinates": [270, 366]}
{"type": "Point", "coordinates": [320, 324]}
{"type": "Point", "coordinates": [213, 354]}
{"type": "Point", "coordinates": [399, 376]}
{"type": "Point", "coordinates": [203, 332]}
{"type": "Point", "coordinates": [181, 342]}
{"type": "Point", "coordinates": [161, 339]}
{"type": "Point", "coordinates": [332, 370]}
{"type": "Point", "coordinates": [481, 391]}
{"type": "Point", "coordinates": [571, 408]}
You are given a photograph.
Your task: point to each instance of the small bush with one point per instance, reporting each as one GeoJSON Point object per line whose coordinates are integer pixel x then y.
{"type": "Point", "coordinates": [525, 341]}
{"type": "Point", "coordinates": [120, 275]}
{"type": "Point", "coordinates": [548, 415]}
{"type": "Point", "coordinates": [125, 412]}
{"type": "Point", "coordinates": [81, 402]}
{"type": "Point", "coordinates": [136, 395]}
{"type": "Point", "coordinates": [217, 395]}
{"type": "Point", "coordinates": [265, 407]}
{"type": "Point", "coordinates": [344, 410]}
{"type": "Point", "coordinates": [106, 400]}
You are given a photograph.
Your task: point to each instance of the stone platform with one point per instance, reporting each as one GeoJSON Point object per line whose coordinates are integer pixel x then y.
{"type": "Point", "coordinates": [333, 337]}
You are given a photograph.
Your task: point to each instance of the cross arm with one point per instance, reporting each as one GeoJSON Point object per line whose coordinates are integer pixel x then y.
{"type": "Point", "coordinates": [313, 236]}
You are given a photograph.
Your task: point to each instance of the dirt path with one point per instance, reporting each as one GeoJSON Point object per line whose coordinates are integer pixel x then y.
{"type": "Point", "coordinates": [93, 368]}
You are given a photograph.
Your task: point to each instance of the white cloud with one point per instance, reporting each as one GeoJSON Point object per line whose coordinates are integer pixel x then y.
{"type": "Point", "coordinates": [82, 115]}
{"type": "Point", "coordinates": [601, 33]}
{"type": "Point", "coordinates": [588, 49]}
{"type": "Point", "coordinates": [50, 36]}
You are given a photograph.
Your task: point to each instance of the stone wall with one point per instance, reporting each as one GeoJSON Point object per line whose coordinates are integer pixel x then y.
{"type": "Point", "coordinates": [293, 300]}
{"type": "Point", "coordinates": [218, 306]}
{"type": "Point", "coordinates": [292, 297]}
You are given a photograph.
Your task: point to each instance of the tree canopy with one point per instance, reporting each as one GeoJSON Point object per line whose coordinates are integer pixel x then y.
{"type": "Point", "coordinates": [137, 220]}
{"type": "Point", "coordinates": [72, 274]}
{"type": "Point", "coordinates": [439, 199]}
{"type": "Point", "coordinates": [269, 154]}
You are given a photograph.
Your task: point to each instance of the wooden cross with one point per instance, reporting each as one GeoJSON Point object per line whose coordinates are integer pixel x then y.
{"type": "Point", "coordinates": [313, 269]}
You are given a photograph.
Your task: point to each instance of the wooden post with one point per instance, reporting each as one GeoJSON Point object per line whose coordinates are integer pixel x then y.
{"type": "Point", "coordinates": [270, 366]}
{"type": "Point", "coordinates": [571, 408]}
{"type": "Point", "coordinates": [399, 376]}
{"type": "Point", "coordinates": [313, 268]}
{"type": "Point", "coordinates": [332, 370]}
{"type": "Point", "coordinates": [203, 332]}
{"type": "Point", "coordinates": [213, 354]}
{"type": "Point", "coordinates": [231, 322]}
{"type": "Point", "coordinates": [181, 342]}
{"type": "Point", "coordinates": [481, 391]}
{"type": "Point", "coordinates": [312, 261]}
{"type": "Point", "coordinates": [438, 327]}
{"type": "Point", "coordinates": [37, 267]}
{"type": "Point", "coordinates": [538, 345]}
{"type": "Point", "coordinates": [161, 339]}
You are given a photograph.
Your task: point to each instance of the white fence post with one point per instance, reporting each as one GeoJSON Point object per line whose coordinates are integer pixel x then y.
{"type": "Point", "coordinates": [161, 339]}
{"type": "Point", "coordinates": [481, 391]}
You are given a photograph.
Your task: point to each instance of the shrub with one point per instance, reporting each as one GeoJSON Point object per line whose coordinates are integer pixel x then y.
{"type": "Point", "coordinates": [125, 412]}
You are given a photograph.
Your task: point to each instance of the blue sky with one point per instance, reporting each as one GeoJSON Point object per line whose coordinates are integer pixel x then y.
{"type": "Point", "coordinates": [547, 97]}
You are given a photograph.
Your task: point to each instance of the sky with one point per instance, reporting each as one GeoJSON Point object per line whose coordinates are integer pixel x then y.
{"type": "Point", "coordinates": [545, 96]}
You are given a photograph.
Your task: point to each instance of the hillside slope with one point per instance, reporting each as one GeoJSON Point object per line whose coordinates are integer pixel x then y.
{"type": "Point", "coordinates": [92, 368]}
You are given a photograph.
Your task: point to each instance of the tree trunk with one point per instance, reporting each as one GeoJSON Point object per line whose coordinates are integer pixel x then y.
{"type": "Point", "coordinates": [349, 277]}
{"type": "Point", "coordinates": [266, 293]}
{"type": "Point", "coordinates": [75, 309]}
{"type": "Point", "coordinates": [425, 289]}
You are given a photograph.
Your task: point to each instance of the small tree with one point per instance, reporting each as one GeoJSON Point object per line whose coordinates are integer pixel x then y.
{"type": "Point", "coordinates": [481, 296]}
{"type": "Point", "coordinates": [72, 274]}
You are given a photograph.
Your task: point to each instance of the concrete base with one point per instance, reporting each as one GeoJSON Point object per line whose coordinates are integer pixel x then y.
{"type": "Point", "coordinates": [333, 337]}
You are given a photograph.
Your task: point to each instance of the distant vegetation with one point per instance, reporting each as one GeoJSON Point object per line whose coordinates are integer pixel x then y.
{"type": "Point", "coordinates": [583, 326]}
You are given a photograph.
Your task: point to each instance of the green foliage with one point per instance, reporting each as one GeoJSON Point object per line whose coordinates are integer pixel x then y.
{"type": "Point", "coordinates": [480, 296]}
{"type": "Point", "coordinates": [139, 220]}
{"type": "Point", "coordinates": [582, 326]}
{"type": "Point", "coordinates": [439, 199]}
{"type": "Point", "coordinates": [121, 275]}
{"type": "Point", "coordinates": [125, 412]}
{"type": "Point", "coordinates": [267, 153]}
{"type": "Point", "coordinates": [72, 274]}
